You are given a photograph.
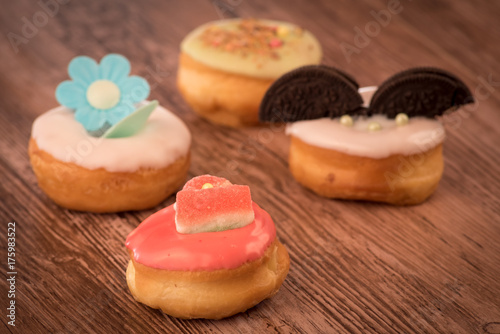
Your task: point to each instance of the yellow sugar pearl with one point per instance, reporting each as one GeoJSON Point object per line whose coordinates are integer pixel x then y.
{"type": "Point", "coordinates": [282, 31]}
{"type": "Point", "coordinates": [346, 120]}
{"type": "Point", "coordinates": [401, 119]}
{"type": "Point", "coordinates": [206, 186]}
{"type": "Point", "coordinates": [374, 126]}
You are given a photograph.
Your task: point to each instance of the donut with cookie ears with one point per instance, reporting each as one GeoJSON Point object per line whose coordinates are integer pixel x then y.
{"type": "Point", "coordinates": [378, 144]}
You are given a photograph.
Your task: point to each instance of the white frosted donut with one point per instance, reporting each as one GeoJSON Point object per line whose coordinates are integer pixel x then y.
{"type": "Point", "coordinates": [87, 173]}
{"type": "Point", "coordinates": [398, 164]}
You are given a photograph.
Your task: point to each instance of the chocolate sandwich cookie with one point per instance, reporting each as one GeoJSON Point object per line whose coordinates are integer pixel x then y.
{"type": "Point", "coordinates": [311, 92]}
{"type": "Point", "coordinates": [426, 91]}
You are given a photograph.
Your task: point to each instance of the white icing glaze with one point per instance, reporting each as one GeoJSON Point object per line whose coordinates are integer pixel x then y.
{"type": "Point", "coordinates": [163, 140]}
{"type": "Point", "coordinates": [367, 94]}
{"type": "Point", "coordinates": [419, 135]}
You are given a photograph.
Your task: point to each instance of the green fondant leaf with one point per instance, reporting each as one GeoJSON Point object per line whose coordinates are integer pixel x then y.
{"type": "Point", "coordinates": [133, 123]}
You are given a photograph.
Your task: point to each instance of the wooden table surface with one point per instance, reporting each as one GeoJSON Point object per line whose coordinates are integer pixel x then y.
{"type": "Point", "coordinates": [356, 267]}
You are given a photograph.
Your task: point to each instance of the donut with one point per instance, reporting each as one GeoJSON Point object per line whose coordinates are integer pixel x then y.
{"type": "Point", "coordinates": [226, 260]}
{"type": "Point", "coordinates": [397, 164]}
{"type": "Point", "coordinates": [377, 144]}
{"type": "Point", "coordinates": [226, 66]}
{"type": "Point", "coordinates": [133, 164]}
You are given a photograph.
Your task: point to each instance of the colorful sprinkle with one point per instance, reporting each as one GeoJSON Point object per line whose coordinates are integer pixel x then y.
{"type": "Point", "coordinates": [282, 31]}
{"type": "Point", "coordinates": [249, 37]}
{"type": "Point", "coordinates": [275, 43]}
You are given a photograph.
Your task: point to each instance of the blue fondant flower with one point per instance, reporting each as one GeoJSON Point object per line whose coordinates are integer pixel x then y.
{"type": "Point", "coordinates": [101, 93]}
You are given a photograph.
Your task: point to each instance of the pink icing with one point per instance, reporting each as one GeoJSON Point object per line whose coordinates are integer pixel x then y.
{"type": "Point", "coordinates": [156, 243]}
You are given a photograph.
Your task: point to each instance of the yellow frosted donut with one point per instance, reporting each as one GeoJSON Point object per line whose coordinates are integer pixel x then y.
{"type": "Point", "coordinates": [226, 66]}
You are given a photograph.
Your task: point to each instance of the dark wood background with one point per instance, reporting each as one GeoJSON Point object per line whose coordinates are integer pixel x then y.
{"type": "Point", "coordinates": [356, 267]}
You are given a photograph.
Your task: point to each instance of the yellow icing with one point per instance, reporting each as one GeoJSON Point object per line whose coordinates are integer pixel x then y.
{"type": "Point", "coordinates": [299, 47]}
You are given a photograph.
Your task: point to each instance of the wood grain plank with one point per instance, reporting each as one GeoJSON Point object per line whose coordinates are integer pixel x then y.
{"type": "Point", "coordinates": [356, 267]}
